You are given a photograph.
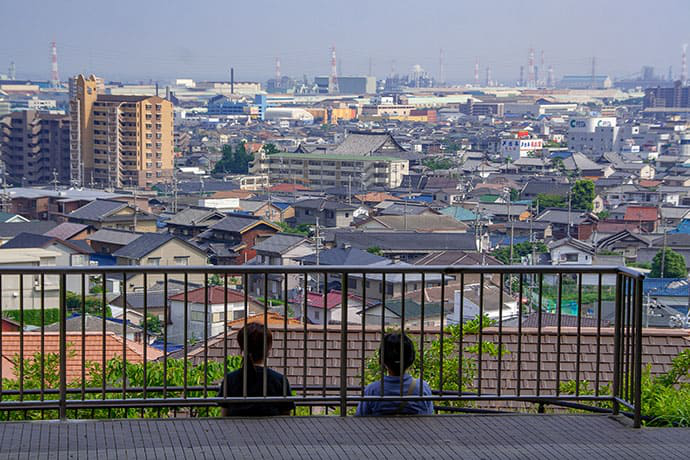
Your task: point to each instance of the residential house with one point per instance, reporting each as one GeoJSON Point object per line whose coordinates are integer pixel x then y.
{"type": "Point", "coordinates": [160, 249]}
{"type": "Point", "coordinates": [647, 217]}
{"type": "Point", "coordinates": [626, 242]}
{"type": "Point", "coordinates": [327, 310]}
{"type": "Point", "coordinates": [419, 223]}
{"type": "Point", "coordinates": [330, 214]}
{"type": "Point", "coordinates": [12, 229]}
{"type": "Point", "coordinates": [26, 290]}
{"type": "Point", "coordinates": [231, 240]}
{"type": "Point", "coordinates": [114, 214]}
{"type": "Point", "coordinates": [208, 310]}
{"type": "Point", "coordinates": [279, 249]}
{"type": "Point", "coordinates": [70, 231]}
{"type": "Point", "coordinates": [191, 221]}
{"type": "Point", "coordinates": [106, 241]}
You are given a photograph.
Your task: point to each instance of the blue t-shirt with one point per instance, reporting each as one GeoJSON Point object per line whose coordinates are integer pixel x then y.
{"type": "Point", "coordinates": [391, 387]}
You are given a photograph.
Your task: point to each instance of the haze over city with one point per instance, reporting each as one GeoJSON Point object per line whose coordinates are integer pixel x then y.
{"type": "Point", "coordinates": [142, 40]}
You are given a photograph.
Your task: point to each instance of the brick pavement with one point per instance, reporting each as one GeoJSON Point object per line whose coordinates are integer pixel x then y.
{"type": "Point", "coordinates": [457, 437]}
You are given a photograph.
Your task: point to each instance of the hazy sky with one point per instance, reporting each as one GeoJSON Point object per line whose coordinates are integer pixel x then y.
{"type": "Point", "coordinates": [156, 39]}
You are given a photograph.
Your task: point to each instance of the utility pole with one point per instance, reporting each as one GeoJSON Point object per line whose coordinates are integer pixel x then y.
{"type": "Point", "coordinates": [317, 239]}
{"type": "Point", "coordinates": [570, 222]}
{"type": "Point", "coordinates": [136, 208]}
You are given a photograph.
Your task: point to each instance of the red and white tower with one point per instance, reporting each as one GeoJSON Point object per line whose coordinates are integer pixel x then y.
{"type": "Point", "coordinates": [530, 69]}
{"type": "Point", "coordinates": [333, 80]}
{"type": "Point", "coordinates": [54, 76]}
{"type": "Point", "coordinates": [476, 72]}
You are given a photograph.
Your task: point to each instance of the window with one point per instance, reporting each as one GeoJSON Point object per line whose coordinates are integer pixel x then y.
{"type": "Point", "coordinates": [317, 314]}
{"type": "Point", "coordinates": [153, 261]}
{"type": "Point", "coordinates": [572, 257]}
{"type": "Point", "coordinates": [197, 316]}
{"type": "Point", "coordinates": [181, 260]}
{"type": "Point", "coordinates": [237, 314]}
{"type": "Point", "coordinates": [217, 317]}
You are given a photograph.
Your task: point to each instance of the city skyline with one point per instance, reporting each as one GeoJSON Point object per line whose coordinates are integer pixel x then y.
{"type": "Point", "coordinates": [171, 40]}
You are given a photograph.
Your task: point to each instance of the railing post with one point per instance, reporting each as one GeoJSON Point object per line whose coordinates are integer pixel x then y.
{"type": "Point", "coordinates": [343, 344]}
{"type": "Point", "coordinates": [63, 347]}
{"type": "Point", "coordinates": [637, 420]}
{"type": "Point", "coordinates": [616, 342]}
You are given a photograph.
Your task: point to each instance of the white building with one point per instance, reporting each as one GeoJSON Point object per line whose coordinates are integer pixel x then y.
{"type": "Point", "coordinates": [593, 136]}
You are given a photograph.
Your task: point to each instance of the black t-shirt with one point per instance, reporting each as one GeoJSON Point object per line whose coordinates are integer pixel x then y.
{"type": "Point", "coordinates": [255, 387]}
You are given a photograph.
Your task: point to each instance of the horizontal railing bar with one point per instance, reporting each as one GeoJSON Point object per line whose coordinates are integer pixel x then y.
{"type": "Point", "coordinates": [343, 269]}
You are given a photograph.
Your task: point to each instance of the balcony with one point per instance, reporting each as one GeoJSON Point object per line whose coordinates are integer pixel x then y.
{"type": "Point", "coordinates": [532, 350]}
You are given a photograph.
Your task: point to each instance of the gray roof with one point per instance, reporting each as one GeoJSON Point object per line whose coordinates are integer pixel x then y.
{"type": "Point", "coordinates": [279, 243]}
{"type": "Point", "coordinates": [366, 143]}
{"type": "Point", "coordinates": [97, 209]}
{"type": "Point", "coordinates": [11, 229]}
{"type": "Point", "coordinates": [143, 245]}
{"type": "Point", "coordinates": [411, 241]}
{"type": "Point", "coordinates": [581, 162]}
{"type": "Point", "coordinates": [193, 216]}
{"type": "Point", "coordinates": [66, 230]}
{"type": "Point", "coordinates": [93, 324]}
{"type": "Point", "coordinates": [235, 223]}
{"type": "Point", "coordinates": [560, 216]}
{"type": "Point", "coordinates": [344, 256]}
{"type": "Point", "coordinates": [322, 203]}
{"type": "Point", "coordinates": [106, 235]}
{"type": "Point", "coordinates": [28, 240]}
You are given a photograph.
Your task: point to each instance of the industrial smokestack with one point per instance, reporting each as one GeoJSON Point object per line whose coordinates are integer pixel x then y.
{"type": "Point", "coordinates": [167, 92]}
{"type": "Point", "coordinates": [232, 80]}
{"type": "Point", "coordinates": [156, 89]}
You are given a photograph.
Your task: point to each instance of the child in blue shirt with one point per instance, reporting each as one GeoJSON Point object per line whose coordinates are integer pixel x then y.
{"type": "Point", "coordinates": [391, 357]}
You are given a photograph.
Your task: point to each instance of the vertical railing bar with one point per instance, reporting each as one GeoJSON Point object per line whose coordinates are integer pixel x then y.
{"type": "Point", "coordinates": [124, 337]}
{"type": "Point", "coordinates": [165, 336]}
{"type": "Point", "coordinates": [539, 322]}
{"type": "Point", "coordinates": [441, 382]}
{"type": "Point", "coordinates": [519, 346]}
{"type": "Point", "coordinates": [83, 332]}
{"type": "Point", "coordinates": [43, 346]}
{"type": "Point", "coordinates": [245, 352]}
{"type": "Point", "coordinates": [21, 337]}
{"type": "Point", "coordinates": [225, 332]}
{"type": "Point", "coordinates": [559, 319]}
{"type": "Point", "coordinates": [63, 347]}
{"type": "Point", "coordinates": [146, 329]}
{"type": "Point", "coordinates": [206, 321]}
{"type": "Point", "coordinates": [185, 333]}
{"type": "Point", "coordinates": [616, 345]}
{"type": "Point", "coordinates": [285, 333]}
{"type": "Point", "coordinates": [637, 411]}
{"type": "Point", "coordinates": [626, 359]}
{"type": "Point", "coordinates": [481, 334]}
{"type": "Point", "coordinates": [629, 357]}
{"type": "Point", "coordinates": [364, 322]}
{"type": "Point", "coordinates": [265, 346]}
{"type": "Point", "coordinates": [1, 351]}
{"type": "Point", "coordinates": [402, 333]}
{"type": "Point", "coordinates": [325, 335]}
{"type": "Point", "coordinates": [104, 306]}
{"type": "Point", "coordinates": [343, 343]}
{"type": "Point", "coordinates": [383, 329]}
{"type": "Point", "coordinates": [461, 324]}
{"type": "Point", "coordinates": [421, 340]}
{"type": "Point", "coordinates": [578, 346]}
{"type": "Point", "coordinates": [500, 332]}
{"type": "Point", "coordinates": [304, 342]}
{"type": "Point", "coordinates": [598, 355]}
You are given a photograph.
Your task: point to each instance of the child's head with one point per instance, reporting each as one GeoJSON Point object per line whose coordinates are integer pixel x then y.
{"type": "Point", "coordinates": [393, 353]}
{"type": "Point", "coordinates": [255, 341]}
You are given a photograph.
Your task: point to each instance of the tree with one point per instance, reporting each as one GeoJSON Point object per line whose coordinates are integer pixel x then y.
{"type": "Point", "coordinates": [438, 163]}
{"type": "Point", "coordinates": [582, 195]}
{"type": "Point", "coordinates": [233, 161]}
{"type": "Point", "coordinates": [520, 250]}
{"type": "Point", "coordinates": [674, 265]}
{"type": "Point", "coordinates": [551, 201]}
{"type": "Point", "coordinates": [270, 149]}
{"type": "Point", "coordinates": [375, 250]}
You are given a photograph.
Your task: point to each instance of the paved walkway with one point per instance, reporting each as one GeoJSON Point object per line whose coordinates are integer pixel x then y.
{"type": "Point", "coordinates": [554, 437]}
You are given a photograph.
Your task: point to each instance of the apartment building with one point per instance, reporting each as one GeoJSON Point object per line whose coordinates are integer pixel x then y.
{"type": "Point", "coordinates": [118, 140]}
{"type": "Point", "coordinates": [34, 147]}
{"type": "Point", "coordinates": [320, 171]}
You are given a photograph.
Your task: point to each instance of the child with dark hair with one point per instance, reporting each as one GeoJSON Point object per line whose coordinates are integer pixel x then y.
{"type": "Point", "coordinates": [397, 355]}
{"type": "Point", "coordinates": [252, 336]}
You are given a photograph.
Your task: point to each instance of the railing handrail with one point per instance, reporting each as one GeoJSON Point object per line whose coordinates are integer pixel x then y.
{"type": "Point", "coordinates": [341, 269]}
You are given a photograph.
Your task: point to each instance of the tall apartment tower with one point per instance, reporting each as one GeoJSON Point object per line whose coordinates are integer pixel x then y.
{"type": "Point", "coordinates": [118, 141]}
{"type": "Point", "coordinates": [34, 148]}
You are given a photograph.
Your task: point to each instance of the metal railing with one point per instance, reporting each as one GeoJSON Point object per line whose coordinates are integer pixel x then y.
{"type": "Point", "coordinates": [531, 351]}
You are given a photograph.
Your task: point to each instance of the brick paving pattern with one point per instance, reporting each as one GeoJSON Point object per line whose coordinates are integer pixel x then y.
{"type": "Point", "coordinates": [452, 437]}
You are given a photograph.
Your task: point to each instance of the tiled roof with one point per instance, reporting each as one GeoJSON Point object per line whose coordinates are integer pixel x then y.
{"type": "Point", "coordinates": [344, 256]}
{"type": "Point", "coordinates": [97, 209]}
{"type": "Point", "coordinates": [66, 230]}
{"type": "Point", "coordinates": [274, 320]}
{"type": "Point", "coordinates": [10, 229]}
{"type": "Point", "coordinates": [408, 240]}
{"type": "Point", "coordinates": [289, 188]}
{"type": "Point", "coordinates": [194, 216]}
{"type": "Point", "coordinates": [92, 351]}
{"type": "Point", "coordinates": [237, 223]}
{"type": "Point", "coordinates": [641, 213]}
{"type": "Point", "coordinates": [107, 235]}
{"type": "Point", "coordinates": [216, 295]}
{"type": "Point", "coordinates": [143, 245]}
{"type": "Point", "coordinates": [279, 243]}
